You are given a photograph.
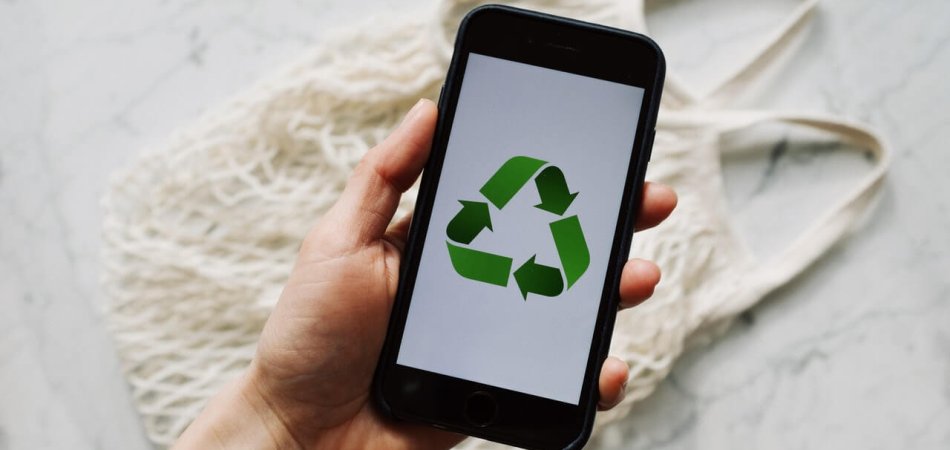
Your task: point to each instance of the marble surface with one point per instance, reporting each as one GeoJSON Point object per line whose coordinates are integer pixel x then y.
{"type": "Point", "coordinates": [854, 354]}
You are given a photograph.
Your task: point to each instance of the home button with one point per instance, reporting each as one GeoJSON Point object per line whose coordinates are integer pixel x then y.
{"type": "Point", "coordinates": [480, 409]}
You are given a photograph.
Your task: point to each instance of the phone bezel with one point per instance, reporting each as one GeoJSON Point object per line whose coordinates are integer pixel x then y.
{"type": "Point", "coordinates": [561, 44]}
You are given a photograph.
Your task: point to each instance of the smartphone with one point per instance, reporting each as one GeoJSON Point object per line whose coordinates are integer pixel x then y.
{"type": "Point", "coordinates": [509, 283]}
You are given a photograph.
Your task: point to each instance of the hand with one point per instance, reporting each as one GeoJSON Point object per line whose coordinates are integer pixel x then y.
{"type": "Point", "coordinates": [309, 385]}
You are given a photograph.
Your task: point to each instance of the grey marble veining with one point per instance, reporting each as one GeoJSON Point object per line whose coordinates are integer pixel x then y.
{"type": "Point", "coordinates": [854, 354]}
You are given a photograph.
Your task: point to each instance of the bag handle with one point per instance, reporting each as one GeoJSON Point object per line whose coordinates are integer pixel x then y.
{"type": "Point", "coordinates": [773, 49]}
{"type": "Point", "coordinates": [829, 228]}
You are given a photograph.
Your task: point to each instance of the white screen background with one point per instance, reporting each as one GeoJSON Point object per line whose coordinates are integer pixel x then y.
{"type": "Point", "coordinates": [487, 333]}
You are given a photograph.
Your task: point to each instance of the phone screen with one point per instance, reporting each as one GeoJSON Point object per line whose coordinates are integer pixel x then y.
{"type": "Point", "coordinates": [513, 267]}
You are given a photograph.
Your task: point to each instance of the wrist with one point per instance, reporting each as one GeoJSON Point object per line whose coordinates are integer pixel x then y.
{"type": "Point", "coordinates": [239, 416]}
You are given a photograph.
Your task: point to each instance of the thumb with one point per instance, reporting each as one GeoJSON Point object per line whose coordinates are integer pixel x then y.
{"type": "Point", "coordinates": [371, 196]}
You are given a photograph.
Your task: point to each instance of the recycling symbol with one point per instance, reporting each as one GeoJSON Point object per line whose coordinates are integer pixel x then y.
{"type": "Point", "coordinates": [566, 232]}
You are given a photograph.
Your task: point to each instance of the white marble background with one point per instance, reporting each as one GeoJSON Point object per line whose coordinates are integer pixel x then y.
{"type": "Point", "coordinates": [855, 354]}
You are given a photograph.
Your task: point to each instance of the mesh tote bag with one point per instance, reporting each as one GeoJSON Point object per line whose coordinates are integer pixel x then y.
{"type": "Point", "coordinates": [200, 234]}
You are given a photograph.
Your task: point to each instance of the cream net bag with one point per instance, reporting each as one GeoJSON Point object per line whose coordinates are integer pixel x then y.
{"type": "Point", "coordinates": [200, 235]}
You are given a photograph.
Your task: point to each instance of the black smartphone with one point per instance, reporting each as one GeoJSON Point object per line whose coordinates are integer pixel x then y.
{"type": "Point", "coordinates": [509, 283]}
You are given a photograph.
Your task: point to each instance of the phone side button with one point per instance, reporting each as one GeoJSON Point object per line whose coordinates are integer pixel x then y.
{"type": "Point", "coordinates": [649, 146]}
{"type": "Point", "coordinates": [481, 409]}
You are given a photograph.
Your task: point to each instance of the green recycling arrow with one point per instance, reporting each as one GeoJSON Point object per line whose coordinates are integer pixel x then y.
{"type": "Point", "coordinates": [567, 234]}
{"type": "Point", "coordinates": [509, 178]}
{"type": "Point", "coordinates": [538, 279]}
{"type": "Point", "coordinates": [469, 222]}
{"type": "Point", "coordinates": [480, 266]}
{"type": "Point", "coordinates": [552, 187]}
{"type": "Point", "coordinates": [571, 247]}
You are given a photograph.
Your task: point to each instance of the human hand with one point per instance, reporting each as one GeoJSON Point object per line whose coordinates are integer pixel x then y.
{"type": "Point", "coordinates": [309, 384]}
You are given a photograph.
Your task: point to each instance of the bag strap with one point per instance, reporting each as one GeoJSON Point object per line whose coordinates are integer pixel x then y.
{"type": "Point", "coordinates": [769, 53]}
{"type": "Point", "coordinates": [829, 228]}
